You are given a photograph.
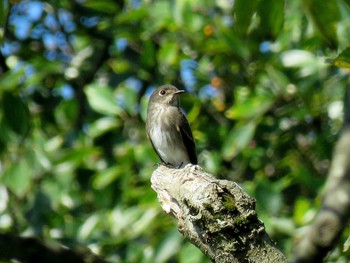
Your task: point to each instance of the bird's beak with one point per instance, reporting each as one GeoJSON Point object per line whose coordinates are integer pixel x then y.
{"type": "Point", "coordinates": [179, 92]}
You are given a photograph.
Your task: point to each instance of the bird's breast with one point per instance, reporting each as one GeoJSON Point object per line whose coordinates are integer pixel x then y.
{"type": "Point", "coordinates": [166, 138]}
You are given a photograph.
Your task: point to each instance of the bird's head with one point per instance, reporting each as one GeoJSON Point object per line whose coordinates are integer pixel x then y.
{"type": "Point", "coordinates": [166, 94]}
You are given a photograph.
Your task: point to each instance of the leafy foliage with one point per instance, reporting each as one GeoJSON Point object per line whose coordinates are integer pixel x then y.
{"type": "Point", "coordinates": [264, 107]}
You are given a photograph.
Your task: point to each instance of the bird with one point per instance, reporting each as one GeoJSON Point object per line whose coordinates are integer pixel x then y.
{"type": "Point", "coordinates": [168, 129]}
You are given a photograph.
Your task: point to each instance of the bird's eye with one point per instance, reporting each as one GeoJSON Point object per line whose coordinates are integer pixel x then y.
{"type": "Point", "coordinates": [162, 92]}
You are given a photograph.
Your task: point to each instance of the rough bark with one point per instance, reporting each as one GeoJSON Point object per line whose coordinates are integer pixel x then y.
{"type": "Point", "coordinates": [215, 215]}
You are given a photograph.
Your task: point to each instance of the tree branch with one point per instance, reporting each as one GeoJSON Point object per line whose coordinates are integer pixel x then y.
{"type": "Point", "coordinates": [334, 214]}
{"type": "Point", "coordinates": [215, 215]}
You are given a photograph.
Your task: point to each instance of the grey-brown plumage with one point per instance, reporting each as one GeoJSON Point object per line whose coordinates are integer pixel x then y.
{"type": "Point", "coordinates": [168, 128]}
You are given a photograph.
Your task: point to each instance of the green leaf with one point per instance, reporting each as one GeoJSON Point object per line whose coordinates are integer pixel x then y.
{"type": "Point", "coordinates": [170, 244]}
{"type": "Point", "coordinates": [53, 190]}
{"type": "Point", "coordinates": [347, 245]}
{"type": "Point", "coordinates": [147, 58]}
{"type": "Point", "coordinates": [89, 226]}
{"type": "Point", "coordinates": [10, 79]}
{"type": "Point", "coordinates": [161, 16]}
{"type": "Point", "coordinates": [132, 15]}
{"type": "Point", "coordinates": [243, 11]}
{"type": "Point", "coordinates": [102, 126]}
{"type": "Point", "coordinates": [105, 6]}
{"type": "Point", "coordinates": [252, 107]}
{"type": "Point", "coordinates": [145, 221]}
{"type": "Point", "coordinates": [66, 113]}
{"type": "Point", "coordinates": [270, 195]}
{"type": "Point", "coordinates": [239, 137]}
{"type": "Point", "coordinates": [102, 100]}
{"type": "Point", "coordinates": [281, 225]}
{"type": "Point", "coordinates": [107, 176]}
{"type": "Point", "coordinates": [168, 53]}
{"type": "Point", "coordinates": [161, 10]}
{"type": "Point", "coordinates": [234, 44]}
{"type": "Point", "coordinates": [4, 8]}
{"type": "Point", "coordinates": [303, 212]}
{"type": "Point", "coordinates": [76, 156]}
{"type": "Point", "coordinates": [129, 96]}
{"type": "Point", "coordinates": [325, 15]}
{"type": "Point", "coordinates": [306, 62]}
{"type": "Point", "coordinates": [342, 60]}
{"type": "Point", "coordinates": [191, 254]}
{"type": "Point", "coordinates": [18, 177]}
{"type": "Point", "coordinates": [271, 15]}
{"type": "Point", "coordinates": [270, 199]}
{"type": "Point", "coordinates": [347, 2]}
{"type": "Point", "coordinates": [15, 113]}
{"type": "Point", "coordinates": [125, 218]}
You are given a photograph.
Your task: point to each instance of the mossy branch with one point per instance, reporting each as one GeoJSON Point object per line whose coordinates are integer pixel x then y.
{"type": "Point", "coordinates": [215, 215]}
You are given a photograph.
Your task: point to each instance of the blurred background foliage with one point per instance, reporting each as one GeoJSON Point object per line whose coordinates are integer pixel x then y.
{"type": "Point", "coordinates": [76, 76]}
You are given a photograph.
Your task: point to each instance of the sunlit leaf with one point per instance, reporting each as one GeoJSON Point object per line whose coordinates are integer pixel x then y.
{"type": "Point", "coordinates": [121, 220]}
{"type": "Point", "coordinates": [168, 53]}
{"type": "Point", "coordinates": [102, 126]}
{"type": "Point", "coordinates": [169, 245]}
{"type": "Point", "coordinates": [107, 176]}
{"type": "Point", "coordinates": [303, 211]}
{"type": "Point", "coordinates": [144, 222]}
{"type": "Point", "coordinates": [342, 60]}
{"type": "Point", "coordinates": [305, 61]}
{"type": "Point", "coordinates": [18, 177]}
{"type": "Point", "coordinates": [102, 100]}
{"type": "Point", "coordinates": [253, 107]}
{"type": "Point", "coordinates": [76, 156]}
{"type": "Point", "coordinates": [347, 245]}
{"type": "Point", "coordinates": [283, 225]}
{"type": "Point", "coordinates": [193, 21]}
{"type": "Point", "coordinates": [191, 254]}
{"type": "Point", "coordinates": [88, 227]}
{"type": "Point", "coordinates": [238, 138]}
{"type": "Point", "coordinates": [132, 15]}
{"type": "Point", "coordinates": [243, 12]}
{"type": "Point", "coordinates": [106, 6]}
{"type": "Point", "coordinates": [10, 80]}
{"type": "Point", "coordinates": [161, 16]}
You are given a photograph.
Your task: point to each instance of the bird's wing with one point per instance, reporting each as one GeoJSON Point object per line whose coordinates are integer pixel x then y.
{"type": "Point", "coordinates": [187, 137]}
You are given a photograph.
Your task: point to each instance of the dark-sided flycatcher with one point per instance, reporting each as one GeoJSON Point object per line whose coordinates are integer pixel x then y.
{"type": "Point", "coordinates": [168, 128]}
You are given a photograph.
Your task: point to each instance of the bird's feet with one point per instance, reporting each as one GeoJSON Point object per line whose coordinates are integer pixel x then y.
{"type": "Point", "coordinates": [169, 165]}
